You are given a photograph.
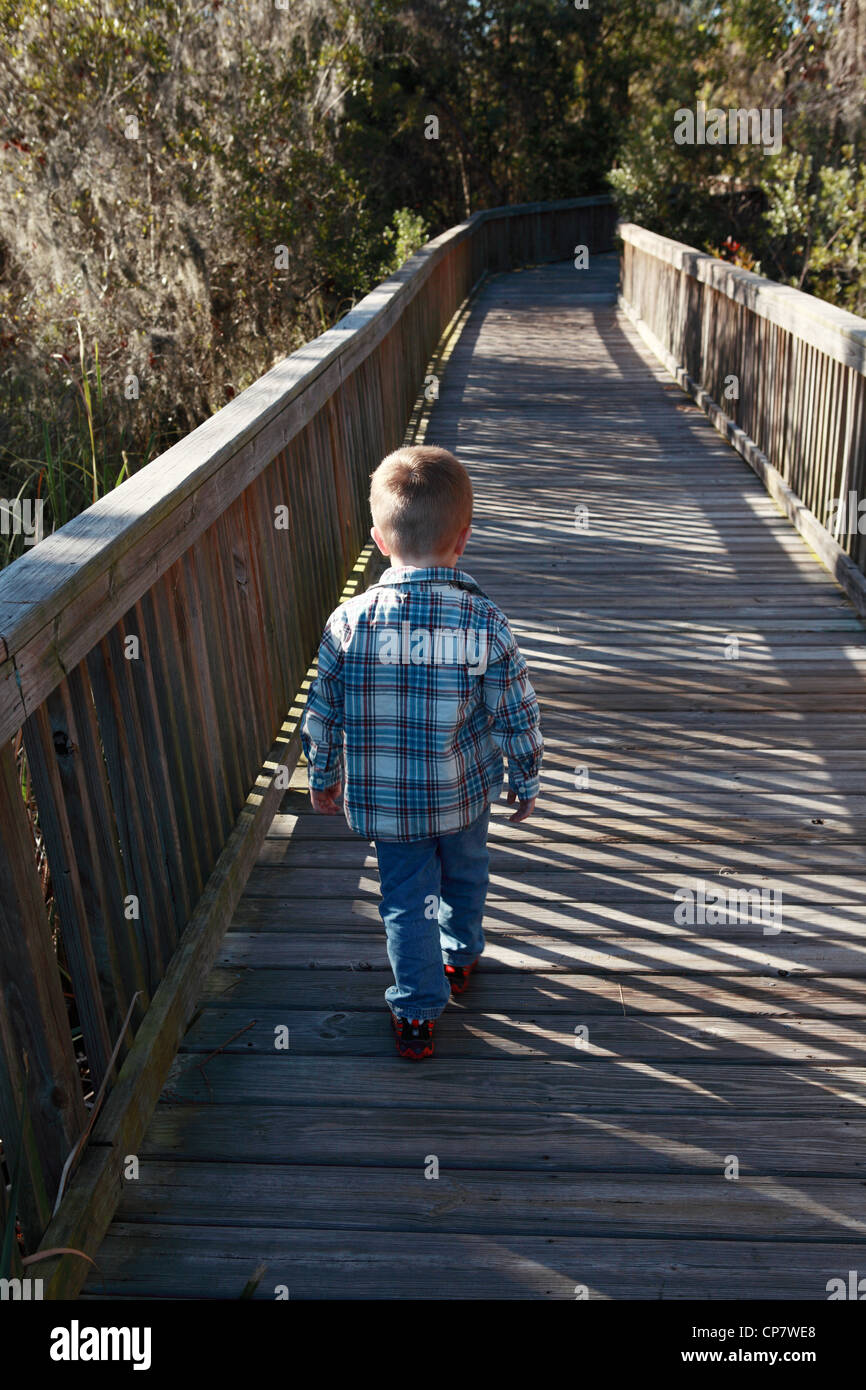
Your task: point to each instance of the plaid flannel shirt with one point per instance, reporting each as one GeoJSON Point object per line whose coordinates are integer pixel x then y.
{"type": "Point", "coordinates": [420, 690]}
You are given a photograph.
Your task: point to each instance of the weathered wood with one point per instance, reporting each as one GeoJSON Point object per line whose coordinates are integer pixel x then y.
{"type": "Point", "coordinates": [838, 922]}
{"type": "Point", "coordinates": [55, 605]}
{"type": "Point", "coordinates": [52, 753]}
{"type": "Point", "coordinates": [119, 932]}
{"type": "Point", "coordinates": [702, 1041]}
{"type": "Point", "coordinates": [814, 363]}
{"type": "Point", "coordinates": [147, 880]}
{"type": "Point", "coordinates": [190, 783]}
{"type": "Point", "coordinates": [610, 952]}
{"type": "Point", "coordinates": [544, 1140]}
{"type": "Point", "coordinates": [569, 888]}
{"type": "Point", "coordinates": [217, 1261]}
{"type": "Point", "coordinates": [834, 331]}
{"type": "Point", "coordinates": [691, 1030]}
{"type": "Point", "coordinates": [591, 1085]}
{"type": "Point", "coordinates": [654, 993]}
{"type": "Point", "coordinates": [476, 1033]}
{"type": "Point", "coordinates": [92, 1196]}
{"type": "Point", "coordinates": [701, 856]}
{"type": "Point", "coordinates": [280, 1197]}
{"type": "Point", "coordinates": [214, 680]}
{"type": "Point", "coordinates": [184, 564]}
{"type": "Point", "coordinates": [40, 1087]}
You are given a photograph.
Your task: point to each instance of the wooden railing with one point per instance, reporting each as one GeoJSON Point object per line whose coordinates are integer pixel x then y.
{"type": "Point", "coordinates": [151, 652]}
{"type": "Point", "coordinates": [781, 373]}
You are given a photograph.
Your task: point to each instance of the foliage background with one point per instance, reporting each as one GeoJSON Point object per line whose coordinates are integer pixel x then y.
{"type": "Point", "coordinates": [156, 154]}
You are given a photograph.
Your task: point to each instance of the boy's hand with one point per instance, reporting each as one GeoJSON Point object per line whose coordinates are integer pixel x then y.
{"type": "Point", "coordinates": [524, 809]}
{"type": "Point", "coordinates": [325, 802]}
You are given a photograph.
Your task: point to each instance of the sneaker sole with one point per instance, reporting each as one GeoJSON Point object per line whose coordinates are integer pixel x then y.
{"type": "Point", "coordinates": [415, 1056]}
{"type": "Point", "coordinates": [407, 1053]}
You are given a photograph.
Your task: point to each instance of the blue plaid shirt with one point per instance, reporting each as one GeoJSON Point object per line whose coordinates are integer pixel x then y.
{"type": "Point", "coordinates": [420, 690]}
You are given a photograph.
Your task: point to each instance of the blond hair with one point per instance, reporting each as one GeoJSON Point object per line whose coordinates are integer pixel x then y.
{"type": "Point", "coordinates": [421, 499]}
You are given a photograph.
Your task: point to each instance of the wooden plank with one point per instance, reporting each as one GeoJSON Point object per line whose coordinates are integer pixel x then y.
{"type": "Point", "coordinates": [157, 774]}
{"type": "Point", "coordinates": [217, 1261]}
{"type": "Point", "coordinates": [543, 1140]}
{"type": "Point", "coordinates": [741, 919]}
{"type": "Point", "coordinates": [123, 749]}
{"type": "Point", "coordinates": [298, 838]}
{"type": "Point", "coordinates": [297, 1197]}
{"type": "Point", "coordinates": [691, 729]}
{"type": "Point", "coordinates": [584, 1085]}
{"type": "Point", "coordinates": [274, 577]}
{"type": "Point", "coordinates": [122, 931]}
{"type": "Point", "coordinates": [217, 691]}
{"type": "Point", "coordinates": [566, 992]}
{"type": "Point", "coordinates": [631, 953]}
{"type": "Point", "coordinates": [478, 1033]}
{"type": "Point", "coordinates": [38, 1074]}
{"type": "Point", "coordinates": [229, 615]}
{"type": "Point", "coordinates": [574, 887]}
{"type": "Point", "coordinates": [338, 845]}
{"type": "Point", "coordinates": [51, 747]}
{"type": "Point", "coordinates": [188, 784]}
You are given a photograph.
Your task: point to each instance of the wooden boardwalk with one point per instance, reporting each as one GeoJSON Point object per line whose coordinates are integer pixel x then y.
{"type": "Point", "coordinates": [702, 683]}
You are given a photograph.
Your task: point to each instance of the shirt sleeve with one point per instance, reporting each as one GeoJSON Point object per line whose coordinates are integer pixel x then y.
{"type": "Point", "coordinates": [322, 723]}
{"type": "Point", "coordinates": [516, 722]}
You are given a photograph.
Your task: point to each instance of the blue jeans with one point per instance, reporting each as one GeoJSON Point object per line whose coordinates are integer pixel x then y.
{"type": "Point", "coordinates": [433, 894]}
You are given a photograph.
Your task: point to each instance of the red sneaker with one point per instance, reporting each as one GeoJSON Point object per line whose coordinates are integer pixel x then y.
{"type": "Point", "coordinates": [414, 1037]}
{"type": "Point", "coordinates": [459, 975]}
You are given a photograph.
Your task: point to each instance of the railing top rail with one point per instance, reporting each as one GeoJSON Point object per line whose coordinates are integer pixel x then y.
{"type": "Point", "coordinates": [836, 332]}
{"type": "Point", "coordinates": [61, 597]}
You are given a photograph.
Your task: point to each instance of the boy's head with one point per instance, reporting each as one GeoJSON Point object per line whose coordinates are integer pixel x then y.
{"type": "Point", "coordinates": [421, 501]}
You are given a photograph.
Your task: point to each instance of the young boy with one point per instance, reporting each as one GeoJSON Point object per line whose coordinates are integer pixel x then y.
{"type": "Point", "coordinates": [420, 690]}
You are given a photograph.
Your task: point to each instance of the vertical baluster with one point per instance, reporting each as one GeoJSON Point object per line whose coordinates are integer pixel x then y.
{"type": "Point", "coordinates": [51, 754]}
{"type": "Point", "coordinates": [165, 637]}
{"type": "Point", "coordinates": [122, 929]}
{"type": "Point", "coordinates": [204, 585]}
{"type": "Point", "coordinates": [37, 1062]}
{"type": "Point", "coordinates": [146, 879]}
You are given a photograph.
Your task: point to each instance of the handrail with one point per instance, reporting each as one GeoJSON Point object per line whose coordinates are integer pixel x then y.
{"type": "Point", "coordinates": [782, 375]}
{"type": "Point", "coordinates": [61, 596]}
{"type": "Point", "coordinates": [149, 651]}
{"type": "Point", "coordinates": [840, 334]}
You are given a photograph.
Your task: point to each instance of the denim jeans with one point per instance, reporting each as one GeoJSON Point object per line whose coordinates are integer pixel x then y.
{"type": "Point", "coordinates": [433, 894]}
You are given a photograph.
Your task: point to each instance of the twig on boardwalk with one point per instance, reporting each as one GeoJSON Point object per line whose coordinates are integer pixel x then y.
{"type": "Point", "coordinates": [217, 1050]}
{"type": "Point", "coordinates": [73, 1155]}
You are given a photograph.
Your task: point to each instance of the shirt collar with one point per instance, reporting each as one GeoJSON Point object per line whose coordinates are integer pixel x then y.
{"type": "Point", "coordinates": [434, 574]}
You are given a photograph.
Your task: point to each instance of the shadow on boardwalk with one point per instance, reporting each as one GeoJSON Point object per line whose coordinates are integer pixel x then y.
{"type": "Point", "coordinates": [611, 1067]}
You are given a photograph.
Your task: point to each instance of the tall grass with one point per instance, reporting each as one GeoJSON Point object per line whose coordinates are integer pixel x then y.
{"type": "Point", "coordinates": [68, 441]}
